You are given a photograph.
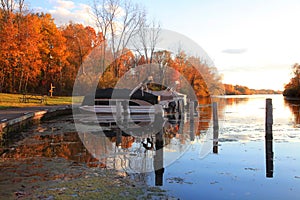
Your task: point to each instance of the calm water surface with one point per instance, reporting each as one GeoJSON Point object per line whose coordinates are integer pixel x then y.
{"type": "Point", "coordinates": [238, 170]}
{"type": "Point", "coordinates": [194, 165]}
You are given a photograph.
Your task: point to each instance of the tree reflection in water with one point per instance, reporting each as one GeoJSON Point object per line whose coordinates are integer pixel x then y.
{"type": "Point", "coordinates": [294, 106]}
{"type": "Point", "coordinates": [115, 149]}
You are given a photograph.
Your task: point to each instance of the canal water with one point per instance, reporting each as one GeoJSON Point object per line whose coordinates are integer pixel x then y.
{"type": "Point", "coordinates": [187, 157]}
{"type": "Point", "coordinates": [239, 169]}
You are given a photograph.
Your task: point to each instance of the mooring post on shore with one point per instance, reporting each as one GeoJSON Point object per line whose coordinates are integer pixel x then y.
{"type": "Point", "coordinates": [269, 138]}
{"type": "Point", "coordinates": [215, 127]}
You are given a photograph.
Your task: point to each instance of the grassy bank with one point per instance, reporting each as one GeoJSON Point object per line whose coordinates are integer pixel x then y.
{"type": "Point", "coordinates": [13, 100]}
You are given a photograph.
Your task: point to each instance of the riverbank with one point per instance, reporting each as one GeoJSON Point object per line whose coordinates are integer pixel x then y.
{"type": "Point", "coordinates": [8, 101]}
{"type": "Point", "coordinates": [49, 161]}
{"type": "Point", "coordinates": [14, 120]}
{"type": "Point", "coordinates": [58, 178]}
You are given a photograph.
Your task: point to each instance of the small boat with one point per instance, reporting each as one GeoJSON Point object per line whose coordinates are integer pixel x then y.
{"type": "Point", "coordinates": [136, 101]}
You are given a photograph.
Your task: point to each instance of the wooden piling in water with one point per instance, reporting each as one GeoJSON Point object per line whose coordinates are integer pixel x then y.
{"type": "Point", "coordinates": [118, 137]}
{"type": "Point", "coordinates": [215, 127]}
{"type": "Point", "coordinates": [269, 118]}
{"type": "Point", "coordinates": [159, 158]}
{"type": "Point", "coordinates": [269, 138]}
{"type": "Point", "coordinates": [119, 111]}
{"type": "Point", "coordinates": [192, 128]}
{"type": "Point", "coordinates": [192, 109]}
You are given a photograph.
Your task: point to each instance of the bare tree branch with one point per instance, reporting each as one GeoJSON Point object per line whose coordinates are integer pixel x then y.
{"type": "Point", "coordinates": [148, 37]}
{"type": "Point", "coordinates": [118, 21]}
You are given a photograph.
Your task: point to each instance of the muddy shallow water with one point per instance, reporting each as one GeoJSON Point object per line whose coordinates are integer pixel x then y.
{"type": "Point", "coordinates": [54, 160]}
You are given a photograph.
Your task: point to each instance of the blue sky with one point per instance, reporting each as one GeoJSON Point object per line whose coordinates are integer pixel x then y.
{"type": "Point", "coordinates": [252, 42]}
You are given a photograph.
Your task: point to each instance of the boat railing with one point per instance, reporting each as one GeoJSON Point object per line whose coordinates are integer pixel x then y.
{"type": "Point", "coordinates": [114, 109]}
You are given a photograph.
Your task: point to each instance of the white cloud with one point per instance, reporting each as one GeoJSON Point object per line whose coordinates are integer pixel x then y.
{"type": "Point", "coordinates": [235, 51]}
{"type": "Point", "coordinates": [63, 4]}
{"type": "Point", "coordinates": [65, 11]}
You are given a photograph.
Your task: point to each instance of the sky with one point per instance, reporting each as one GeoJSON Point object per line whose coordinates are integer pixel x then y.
{"type": "Point", "coordinates": [251, 42]}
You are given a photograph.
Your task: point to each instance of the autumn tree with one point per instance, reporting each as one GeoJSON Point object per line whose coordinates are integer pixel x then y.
{"type": "Point", "coordinates": [8, 52]}
{"type": "Point", "coordinates": [292, 89]}
{"type": "Point", "coordinates": [19, 37]}
{"type": "Point", "coordinates": [53, 53]}
{"type": "Point", "coordinates": [125, 62]}
{"type": "Point", "coordinates": [29, 60]}
{"type": "Point", "coordinates": [34, 52]}
{"type": "Point", "coordinates": [80, 41]}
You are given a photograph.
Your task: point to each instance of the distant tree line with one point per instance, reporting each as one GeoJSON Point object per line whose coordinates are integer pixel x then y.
{"type": "Point", "coordinates": [35, 52]}
{"type": "Point", "coordinates": [243, 90]}
{"type": "Point", "coordinates": [292, 89]}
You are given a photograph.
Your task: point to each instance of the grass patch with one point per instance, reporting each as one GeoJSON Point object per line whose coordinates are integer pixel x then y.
{"type": "Point", "coordinates": [91, 188]}
{"type": "Point", "coordinates": [13, 100]}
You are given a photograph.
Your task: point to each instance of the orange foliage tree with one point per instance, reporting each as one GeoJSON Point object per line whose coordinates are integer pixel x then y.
{"type": "Point", "coordinates": [34, 53]}
{"type": "Point", "coordinates": [53, 53]}
{"type": "Point", "coordinates": [292, 89]}
{"type": "Point", "coordinates": [8, 52]}
{"type": "Point", "coordinates": [80, 41]}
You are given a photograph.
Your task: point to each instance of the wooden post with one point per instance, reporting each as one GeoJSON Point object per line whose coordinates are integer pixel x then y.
{"type": "Point", "coordinates": [192, 129]}
{"type": "Point", "coordinates": [51, 89]}
{"type": "Point", "coordinates": [192, 109]}
{"type": "Point", "coordinates": [119, 111]}
{"type": "Point", "coordinates": [159, 120]}
{"type": "Point", "coordinates": [180, 108]}
{"type": "Point", "coordinates": [125, 105]}
{"type": "Point", "coordinates": [118, 137]}
{"type": "Point", "coordinates": [126, 113]}
{"type": "Point", "coordinates": [269, 139]}
{"type": "Point", "coordinates": [159, 159]}
{"type": "Point", "coordinates": [269, 119]}
{"type": "Point", "coordinates": [215, 127]}
{"type": "Point", "coordinates": [215, 116]}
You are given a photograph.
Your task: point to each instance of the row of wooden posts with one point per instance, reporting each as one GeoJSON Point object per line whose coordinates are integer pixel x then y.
{"type": "Point", "coordinates": [158, 158]}
{"type": "Point", "coordinates": [268, 135]}
{"type": "Point", "coordinates": [268, 130]}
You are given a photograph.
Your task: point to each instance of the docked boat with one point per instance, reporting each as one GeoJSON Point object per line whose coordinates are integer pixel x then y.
{"type": "Point", "coordinates": [137, 101]}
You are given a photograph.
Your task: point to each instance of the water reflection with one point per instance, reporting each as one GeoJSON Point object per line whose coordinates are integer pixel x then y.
{"type": "Point", "coordinates": [144, 152]}
{"type": "Point", "coordinates": [204, 115]}
{"type": "Point", "coordinates": [113, 148]}
{"type": "Point", "coordinates": [243, 161]}
{"type": "Point", "coordinates": [66, 145]}
{"type": "Point", "coordinates": [269, 157]}
{"type": "Point", "coordinates": [236, 99]}
{"type": "Point", "coordinates": [294, 106]}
